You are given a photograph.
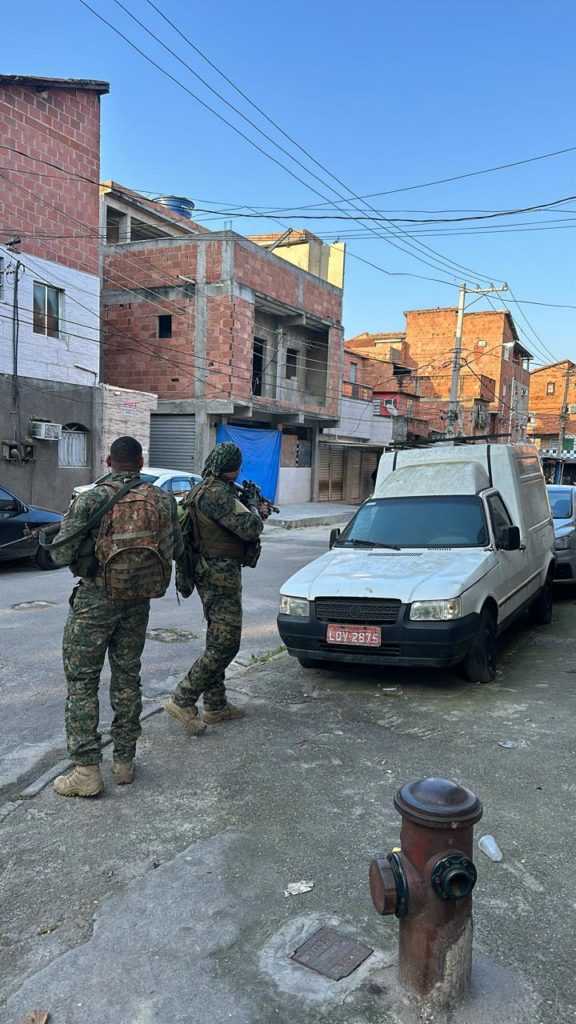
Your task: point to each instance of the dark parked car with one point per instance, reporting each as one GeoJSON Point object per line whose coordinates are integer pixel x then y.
{"type": "Point", "coordinates": [16, 519]}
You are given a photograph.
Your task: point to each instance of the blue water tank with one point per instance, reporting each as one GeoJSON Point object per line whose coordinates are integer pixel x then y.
{"type": "Point", "coordinates": [178, 204]}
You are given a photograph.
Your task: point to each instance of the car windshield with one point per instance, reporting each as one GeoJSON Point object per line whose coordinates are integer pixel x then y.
{"type": "Point", "coordinates": [560, 503]}
{"type": "Point", "coordinates": [149, 477]}
{"type": "Point", "coordinates": [427, 522]}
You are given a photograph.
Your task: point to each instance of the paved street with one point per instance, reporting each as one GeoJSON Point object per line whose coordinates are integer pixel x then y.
{"type": "Point", "coordinates": [165, 900]}
{"type": "Point", "coordinates": [32, 687]}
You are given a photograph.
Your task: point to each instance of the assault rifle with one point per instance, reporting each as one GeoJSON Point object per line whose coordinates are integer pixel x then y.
{"type": "Point", "coordinates": [27, 534]}
{"type": "Point", "coordinates": [250, 494]}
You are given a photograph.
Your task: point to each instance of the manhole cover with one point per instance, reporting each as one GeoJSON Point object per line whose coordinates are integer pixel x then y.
{"type": "Point", "coordinates": [333, 955]}
{"type": "Point", "coordinates": [33, 606]}
{"type": "Point", "coordinates": [171, 636]}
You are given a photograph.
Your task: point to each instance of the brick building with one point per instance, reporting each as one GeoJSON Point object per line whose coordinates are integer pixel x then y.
{"type": "Point", "coordinates": [395, 385]}
{"type": "Point", "coordinates": [54, 417]}
{"type": "Point", "coordinates": [494, 377]}
{"type": "Point", "coordinates": [225, 333]}
{"type": "Point", "coordinates": [553, 392]}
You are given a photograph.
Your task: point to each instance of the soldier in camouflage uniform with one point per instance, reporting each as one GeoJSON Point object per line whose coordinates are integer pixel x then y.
{"type": "Point", "coordinates": [224, 534]}
{"type": "Point", "coordinates": [95, 625]}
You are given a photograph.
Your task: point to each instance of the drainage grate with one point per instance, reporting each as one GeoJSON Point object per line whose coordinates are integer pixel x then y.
{"type": "Point", "coordinates": [333, 955]}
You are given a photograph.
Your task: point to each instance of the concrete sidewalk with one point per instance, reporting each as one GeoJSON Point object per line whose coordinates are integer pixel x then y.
{"type": "Point", "coordinates": [165, 901]}
{"type": "Point", "coordinates": [312, 513]}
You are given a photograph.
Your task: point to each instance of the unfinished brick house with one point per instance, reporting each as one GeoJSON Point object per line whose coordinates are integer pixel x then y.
{"type": "Point", "coordinates": [56, 419]}
{"type": "Point", "coordinates": [225, 333]}
{"type": "Point", "coordinates": [494, 377]}
{"type": "Point", "coordinates": [553, 405]}
{"type": "Point", "coordinates": [395, 386]}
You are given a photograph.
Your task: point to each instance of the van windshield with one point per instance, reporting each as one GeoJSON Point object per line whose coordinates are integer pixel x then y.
{"type": "Point", "coordinates": [427, 522]}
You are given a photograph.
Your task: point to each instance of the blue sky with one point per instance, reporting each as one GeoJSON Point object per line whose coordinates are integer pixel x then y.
{"type": "Point", "coordinates": [383, 95]}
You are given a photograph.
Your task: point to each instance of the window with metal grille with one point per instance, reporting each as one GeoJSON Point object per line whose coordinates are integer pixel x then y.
{"type": "Point", "coordinates": [47, 312]}
{"type": "Point", "coordinates": [73, 446]}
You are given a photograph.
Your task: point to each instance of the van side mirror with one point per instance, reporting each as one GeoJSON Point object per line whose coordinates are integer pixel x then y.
{"type": "Point", "coordinates": [509, 538]}
{"type": "Point", "coordinates": [334, 534]}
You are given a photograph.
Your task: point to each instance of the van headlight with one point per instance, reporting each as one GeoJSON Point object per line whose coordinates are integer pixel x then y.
{"type": "Point", "coordinates": [440, 611]}
{"type": "Point", "coordinates": [563, 543]}
{"type": "Point", "coordinates": [294, 606]}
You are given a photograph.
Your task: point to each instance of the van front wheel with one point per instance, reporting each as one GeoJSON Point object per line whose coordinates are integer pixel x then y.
{"type": "Point", "coordinates": [479, 665]}
{"type": "Point", "coordinates": [541, 610]}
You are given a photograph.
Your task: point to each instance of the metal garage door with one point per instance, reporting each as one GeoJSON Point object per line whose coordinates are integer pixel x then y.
{"type": "Point", "coordinates": [173, 441]}
{"type": "Point", "coordinates": [331, 473]}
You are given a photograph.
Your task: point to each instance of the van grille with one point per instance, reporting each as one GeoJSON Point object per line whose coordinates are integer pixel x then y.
{"type": "Point", "coordinates": [357, 610]}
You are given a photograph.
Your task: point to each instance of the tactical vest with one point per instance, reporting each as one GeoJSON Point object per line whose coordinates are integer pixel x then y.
{"type": "Point", "coordinates": [210, 538]}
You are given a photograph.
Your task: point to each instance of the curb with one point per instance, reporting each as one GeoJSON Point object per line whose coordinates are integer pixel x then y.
{"type": "Point", "coordinates": [239, 666]}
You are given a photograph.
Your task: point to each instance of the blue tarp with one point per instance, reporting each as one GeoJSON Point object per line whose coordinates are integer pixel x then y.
{"type": "Point", "coordinates": [261, 455]}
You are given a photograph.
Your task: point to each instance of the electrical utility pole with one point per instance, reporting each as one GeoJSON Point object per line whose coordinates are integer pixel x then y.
{"type": "Point", "coordinates": [563, 419]}
{"type": "Point", "coordinates": [456, 362]}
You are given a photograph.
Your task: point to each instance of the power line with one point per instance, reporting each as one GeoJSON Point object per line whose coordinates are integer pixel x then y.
{"type": "Point", "coordinates": [456, 177]}
{"type": "Point", "coordinates": [400, 220]}
{"type": "Point", "coordinates": [418, 246]}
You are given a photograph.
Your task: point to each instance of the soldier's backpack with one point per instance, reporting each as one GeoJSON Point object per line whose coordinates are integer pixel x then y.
{"type": "Point", "coordinates": [135, 545]}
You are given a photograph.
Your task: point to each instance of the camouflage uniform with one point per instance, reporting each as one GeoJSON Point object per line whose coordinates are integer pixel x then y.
{"type": "Point", "coordinates": [219, 584]}
{"type": "Point", "coordinates": [95, 625]}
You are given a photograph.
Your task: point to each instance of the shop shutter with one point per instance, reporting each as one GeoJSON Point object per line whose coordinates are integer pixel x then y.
{"type": "Point", "coordinates": [330, 473]}
{"type": "Point", "coordinates": [324, 472]}
{"type": "Point", "coordinates": [173, 442]}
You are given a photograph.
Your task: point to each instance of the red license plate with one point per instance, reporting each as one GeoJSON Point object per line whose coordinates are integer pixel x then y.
{"type": "Point", "coordinates": [360, 636]}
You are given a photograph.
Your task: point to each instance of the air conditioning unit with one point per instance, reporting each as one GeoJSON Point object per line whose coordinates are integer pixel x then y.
{"type": "Point", "coordinates": [45, 431]}
{"type": "Point", "coordinates": [572, 410]}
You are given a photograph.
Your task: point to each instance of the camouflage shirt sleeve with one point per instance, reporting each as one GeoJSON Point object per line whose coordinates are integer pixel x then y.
{"type": "Point", "coordinates": [176, 531]}
{"type": "Point", "coordinates": [219, 503]}
{"type": "Point", "coordinates": [80, 512]}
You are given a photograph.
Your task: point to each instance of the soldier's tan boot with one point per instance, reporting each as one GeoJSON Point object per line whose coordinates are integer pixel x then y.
{"type": "Point", "coordinates": [123, 772]}
{"type": "Point", "coordinates": [188, 717]}
{"type": "Point", "coordinates": [83, 780]}
{"type": "Point", "coordinates": [228, 713]}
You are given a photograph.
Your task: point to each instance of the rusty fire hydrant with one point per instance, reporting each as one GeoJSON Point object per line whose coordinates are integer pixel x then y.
{"type": "Point", "coordinates": [428, 886]}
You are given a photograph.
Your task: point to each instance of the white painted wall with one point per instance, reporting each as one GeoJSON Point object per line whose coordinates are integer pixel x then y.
{"type": "Point", "coordinates": [355, 420]}
{"type": "Point", "coordinates": [74, 357]}
{"type": "Point", "coordinates": [358, 421]}
{"type": "Point", "coordinates": [383, 429]}
{"type": "Point", "coordinates": [294, 486]}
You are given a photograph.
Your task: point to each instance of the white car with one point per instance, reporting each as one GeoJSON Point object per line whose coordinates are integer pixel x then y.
{"type": "Point", "coordinates": [173, 481]}
{"type": "Point", "coordinates": [455, 543]}
{"type": "Point", "coordinates": [563, 504]}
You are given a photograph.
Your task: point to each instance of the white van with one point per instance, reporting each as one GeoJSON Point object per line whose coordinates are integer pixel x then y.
{"type": "Point", "coordinates": [454, 544]}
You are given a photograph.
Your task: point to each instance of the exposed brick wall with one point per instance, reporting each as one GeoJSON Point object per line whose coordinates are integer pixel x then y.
{"type": "Point", "coordinates": [122, 412]}
{"type": "Point", "coordinates": [148, 273]}
{"type": "Point", "coordinates": [272, 276]}
{"type": "Point", "coordinates": [61, 126]}
{"type": "Point", "coordinates": [547, 408]}
{"type": "Point", "coordinates": [430, 337]}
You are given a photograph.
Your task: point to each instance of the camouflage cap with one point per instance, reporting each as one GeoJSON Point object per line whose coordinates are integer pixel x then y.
{"type": "Point", "coordinates": [224, 458]}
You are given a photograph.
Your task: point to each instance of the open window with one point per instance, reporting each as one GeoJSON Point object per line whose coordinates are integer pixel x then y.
{"type": "Point", "coordinates": [291, 363]}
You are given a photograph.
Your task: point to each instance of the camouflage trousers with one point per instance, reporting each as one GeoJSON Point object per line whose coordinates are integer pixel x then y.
{"type": "Point", "coordinates": [95, 626]}
{"type": "Point", "coordinates": [223, 612]}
